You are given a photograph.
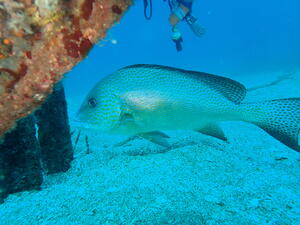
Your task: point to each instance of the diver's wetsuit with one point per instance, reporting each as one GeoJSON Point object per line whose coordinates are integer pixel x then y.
{"type": "Point", "coordinates": [186, 3]}
{"type": "Point", "coordinates": [183, 10]}
{"type": "Point", "coordinates": [176, 9]}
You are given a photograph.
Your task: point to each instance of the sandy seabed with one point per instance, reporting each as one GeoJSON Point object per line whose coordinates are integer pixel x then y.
{"type": "Point", "coordinates": [253, 179]}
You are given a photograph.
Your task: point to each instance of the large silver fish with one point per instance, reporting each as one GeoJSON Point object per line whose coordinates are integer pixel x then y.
{"type": "Point", "coordinates": [145, 99]}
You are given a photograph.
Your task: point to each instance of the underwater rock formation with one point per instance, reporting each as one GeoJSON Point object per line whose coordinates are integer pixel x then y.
{"type": "Point", "coordinates": [40, 41]}
{"type": "Point", "coordinates": [54, 132]}
{"type": "Point", "coordinates": [40, 143]}
{"type": "Point", "coordinates": [20, 165]}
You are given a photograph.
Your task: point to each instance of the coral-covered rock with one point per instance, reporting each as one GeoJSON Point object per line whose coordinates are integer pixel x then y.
{"type": "Point", "coordinates": [41, 143]}
{"type": "Point", "coordinates": [42, 40]}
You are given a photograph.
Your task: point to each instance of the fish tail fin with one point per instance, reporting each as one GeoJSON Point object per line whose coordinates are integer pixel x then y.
{"type": "Point", "coordinates": [280, 118]}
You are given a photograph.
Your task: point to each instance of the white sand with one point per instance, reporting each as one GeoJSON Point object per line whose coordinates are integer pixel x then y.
{"type": "Point", "coordinates": [253, 179]}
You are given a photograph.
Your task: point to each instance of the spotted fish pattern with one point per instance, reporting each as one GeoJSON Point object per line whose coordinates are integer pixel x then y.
{"type": "Point", "coordinates": [146, 99]}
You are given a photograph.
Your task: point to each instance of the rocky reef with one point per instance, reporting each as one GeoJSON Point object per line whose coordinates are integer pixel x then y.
{"type": "Point", "coordinates": [40, 144]}
{"type": "Point", "coordinates": [40, 40]}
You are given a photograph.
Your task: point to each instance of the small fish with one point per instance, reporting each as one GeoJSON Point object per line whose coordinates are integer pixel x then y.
{"type": "Point", "coordinates": [141, 100]}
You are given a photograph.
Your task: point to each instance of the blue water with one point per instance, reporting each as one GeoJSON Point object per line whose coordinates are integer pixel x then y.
{"type": "Point", "coordinates": [242, 39]}
{"type": "Point", "coordinates": [250, 41]}
{"type": "Point", "coordinates": [252, 179]}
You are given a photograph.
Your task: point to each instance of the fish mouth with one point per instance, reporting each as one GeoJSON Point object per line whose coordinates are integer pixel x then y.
{"type": "Point", "coordinates": [77, 116]}
{"type": "Point", "coordinates": [80, 122]}
{"type": "Point", "coordinates": [76, 119]}
{"type": "Point", "coordinates": [80, 113]}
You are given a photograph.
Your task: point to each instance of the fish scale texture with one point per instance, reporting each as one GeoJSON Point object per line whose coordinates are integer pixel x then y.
{"type": "Point", "coordinates": [280, 118]}
{"type": "Point", "coordinates": [160, 98]}
{"type": "Point", "coordinates": [144, 98]}
{"type": "Point", "coordinates": [231, 89]}
{"type": "Point", "coordinates": [178, 84]}
{"type": "Point", "coordinates": [287, 122]}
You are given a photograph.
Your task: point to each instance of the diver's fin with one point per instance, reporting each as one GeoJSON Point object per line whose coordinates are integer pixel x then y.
{"type": "Point", "coordinates": [213, 130]}
{"type": "Point", "coordinates": [195, 26]}
{"type": "Point", "coordinates": [156, 137]}
{"type": "Point", "coordinates": [280, 118]}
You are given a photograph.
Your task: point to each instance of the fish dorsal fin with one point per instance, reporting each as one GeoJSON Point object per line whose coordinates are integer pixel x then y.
{"type": "Point", "coordinates": [232, 90]}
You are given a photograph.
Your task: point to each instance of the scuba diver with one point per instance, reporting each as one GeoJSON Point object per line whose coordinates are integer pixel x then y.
{"type": "Point", "coordinates": [181, 10]}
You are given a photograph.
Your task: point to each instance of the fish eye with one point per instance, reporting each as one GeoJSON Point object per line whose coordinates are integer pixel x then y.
{"type": "Point", "coordinates": [92, 102]}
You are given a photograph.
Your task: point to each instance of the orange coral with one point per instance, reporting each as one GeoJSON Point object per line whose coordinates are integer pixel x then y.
{"type": "Point", "coordinates": [40, 53]}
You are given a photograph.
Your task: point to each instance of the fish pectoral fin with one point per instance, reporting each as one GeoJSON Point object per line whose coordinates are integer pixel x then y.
{"type": "Point", "coordinates": [213, 130]}
{"type": "Point", "coordinates": [125, 142]}
{"type": "Point", "coordinates": [156, 137]}
{"type": "Point", "coordinates": [126, 118]}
